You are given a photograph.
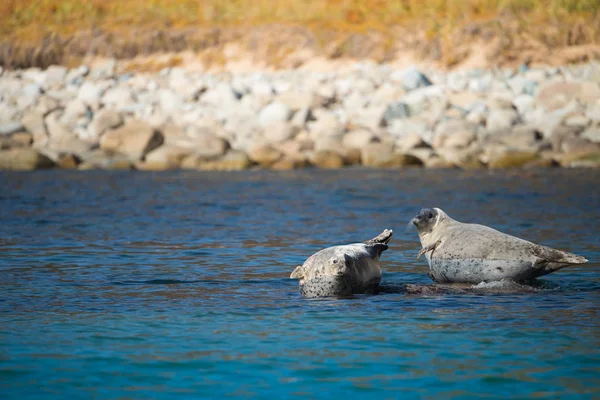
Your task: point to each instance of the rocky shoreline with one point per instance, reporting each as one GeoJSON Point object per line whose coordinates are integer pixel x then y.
{"type": "Point", "coordinates": [374, 115]}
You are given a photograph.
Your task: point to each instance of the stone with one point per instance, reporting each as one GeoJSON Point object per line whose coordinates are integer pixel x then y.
{"type": "Point", "coordinates": [68, 161]}
{"type": "Point", "coordinates": [412, 79]}
{"type": "Point", "coordinates": [326, 160]}
{"type": "Point", "coordinates": [264, 155]}
{"type": "Point", "coordinates": [369, 117]}
{"type": "Point", "coordinates": [134, 139]}
{"type": "Point", "coordinates": [233, 160]}
{"type": "Point", "coordinates": [523, 137]}
{"type": "Point", "coordinates": [382, 155]}
{"type": "Point", "coordinates": [23, 159]}
{"type": "Point", "coordinates": [554, 95]}
{"type": "Point", "coordinates": [105, 119]}
{"type": "Point", "coordinates": [120, 98]}
{"type": "Point", "coordinates": [581, 160]}
{"type": "Point", "coordinates": [410, 141]}
{"type": "Point", "coordinates": [170, 101]}
{"type": "Point", "coordinates": [286, 164]}
{"type": "Point", "coordinates": [396, 110]}
{"type": "Point", "coordinates": [279, 131]}
{"type": "Point", "coordinates": [357, 139]}
{"type": "Point", "coordinates": [203, 142]}
{"type": "Point", "coordinates": [55, 75]}
{"type": "Point", "coordinates": [22, 139]}
{"type": "Point", "coordinates": [579, 145]}
{"type": "Point", "coordinates": [500, 120]}
{"type": "Point", "coordinates": [275, 111]}
{"type": "Point", "coordinates": [301, 117]}
{"type": "Point", "coordinates": [512, 159]}
{"type": "Point", "coordinates": [453, 133]}
{"type": "Point", "coordinates": [592, 134]}
{"type": "Point", "coordinates": [297, 100]}
{"type": "Point", "coordinates": [8, 128]}
{"type": "Point", "coordinates": [579, 120]}
{"type": "Point", "coordinates": [326, 125]}
{"type": "Point", "coordinates": [166, 157]}
{"type": "Point", "coordinates": [91, 93]}
{"type": "Point", "coordinates": [466, 158]}
{"type": "Point", "coordinates": [33, 122]}
{"type": "Point", "coordinates": [57, 131]}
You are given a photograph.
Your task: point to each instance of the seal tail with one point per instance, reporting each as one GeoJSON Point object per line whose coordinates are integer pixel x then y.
{"type": "Point", "coordinates": [549, 255]}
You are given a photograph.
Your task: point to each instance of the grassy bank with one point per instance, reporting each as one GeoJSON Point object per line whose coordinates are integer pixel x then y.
{"type": "Point", "coordinates": [27, 25]}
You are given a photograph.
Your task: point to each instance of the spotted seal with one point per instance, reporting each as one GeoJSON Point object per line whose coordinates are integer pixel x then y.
{"type": "Point", "coordinates": [471, 253]}
{"type": "Point", "coordinates": [343, 270]}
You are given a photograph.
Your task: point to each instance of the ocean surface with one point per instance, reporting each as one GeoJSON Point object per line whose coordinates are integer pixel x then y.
{"type": "Point", "coordinates": [176, 285]}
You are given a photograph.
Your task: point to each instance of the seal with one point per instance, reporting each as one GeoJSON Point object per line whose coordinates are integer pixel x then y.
{"type": "Point", "coordinates": [472, 253]}
{"type": "Point", "coordinates": [343, 270]}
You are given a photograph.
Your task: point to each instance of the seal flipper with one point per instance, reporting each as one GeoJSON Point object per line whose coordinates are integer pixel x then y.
{"type": "Point", "coordinates": [383, 238]}
{"type": "Point", "coordinates": [378, 248]}
{"type": "Point", "coordinates": [298, 273]}
{"type": "Point", "coordinates": [429, 248]}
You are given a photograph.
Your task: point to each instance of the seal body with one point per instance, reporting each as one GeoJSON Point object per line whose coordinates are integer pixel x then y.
{"type": "Point", "coordinates": [472, 253]}
{"type": "Point", "coordinates": [343, 270]}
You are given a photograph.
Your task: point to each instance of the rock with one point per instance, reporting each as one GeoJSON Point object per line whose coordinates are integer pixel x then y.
{"type": "Point", "coordinates": [555, 95]}
{"type": "Point", "coordinates": [301, 117]}
{"type": "Point", "coordinates": [581, 160]}
{"type": "Point", "coordinates": [592, 134]}
{"type": "Point", "coordinates": [8, 128]}
{"type": "Point", "coordinates": [264, 155]}
{"type": "Point", "coordinates": [33, 122]}
{"type": "Point", "coordinates": [326, 160]}
{"type": "Point", "coordinates": [410, 141]}
{"type": "Point", "coordinates": [453, 133]}
{"type": "Point", "coordinates": [467, 158]}
{"type": "Point", "coordinates": [579, 145]}
{"type": "Point", "coordinates": [232, 161]}
{"type": "Point", "coordinates": [369, 117]}
{"type": "Point", "coordinates": [381, 155]}
{"type": "Point", "coordinates": [396, 110]}
{"type": "Point", "coordinates": [326, 125]}
{"type": "Point", "coordinates": [412, 79]}
{"type": "Point", "coordinates": [523, 137]}
{"type": "Point", "coordinates": [577, 120]}
{"type": "Point", "coordinates": [22, 139]}
{"type": "Point", "coordinates": [165, 157]}
{"type": "Point", "coordinates": [23, 159]}
{"type": "Point", "coordinates": [57, 131]}
{"type": "Point", "coordinates": [275, 111]}
{"type": "Point", "coordinates": [104, 120]}
{"type": "Point", "coordinates": [120, 98]}
{"type": "Point", "coordinates": [134, 139]}
{"type": "Point", "coordinates": [203, 142]}
{"type": "Point", "coordinates": [170, 101]}
{"type": "Point", "coordinates": [286, 164]}
{"type": "Point", "coordinates": [500, 120]}
{"type": "Point", "coordinates": [91, 93]}
{"type": "Point", "coordinates": [437, 162]}
{"type": "Point", "coordinates": [55, 75]}
{"type": "Point", "coordinates": [75, 76]}
{"type": "Point", "coordinates": [68, 161]}
{"type": "Point", "coordinates": [296, 100]}
{"type": "Point", "coordinates": [357, 139]}
{"type": "Point", "coordinates": [541, 163]}
{"type": "Point", "coordinates": [279, 131]}
{"type": "Point", "coordinates": [512, 159]}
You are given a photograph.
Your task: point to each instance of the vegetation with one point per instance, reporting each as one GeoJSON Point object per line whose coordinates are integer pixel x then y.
{"type": "Point", "coordinates": [554, 22]}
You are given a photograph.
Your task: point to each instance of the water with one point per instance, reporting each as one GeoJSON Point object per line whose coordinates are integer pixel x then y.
{"type": "Point", "coordinates": [175, 285]}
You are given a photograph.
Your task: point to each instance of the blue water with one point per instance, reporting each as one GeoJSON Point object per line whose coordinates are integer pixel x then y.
{"type": "Point", "coordinates": [175, 285]}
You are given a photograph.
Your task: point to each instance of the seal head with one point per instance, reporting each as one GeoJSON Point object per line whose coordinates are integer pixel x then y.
{"type": "Point", "coordinates": [343, 270]}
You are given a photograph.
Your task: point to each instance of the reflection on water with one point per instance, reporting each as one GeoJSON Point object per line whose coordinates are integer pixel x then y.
{"type": "Point", "coordinates": [155, 285]}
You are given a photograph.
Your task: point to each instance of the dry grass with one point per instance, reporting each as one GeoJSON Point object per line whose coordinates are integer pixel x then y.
{"type": "Point", "coordinates": [550, 22]}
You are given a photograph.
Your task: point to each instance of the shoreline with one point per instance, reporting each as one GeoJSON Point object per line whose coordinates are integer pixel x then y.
{"type": "Point", "coordinates": [354, 113]}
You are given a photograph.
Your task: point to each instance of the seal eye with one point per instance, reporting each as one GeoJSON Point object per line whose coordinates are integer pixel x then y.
{"type": "Point", "coordinates": [429, 215]}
